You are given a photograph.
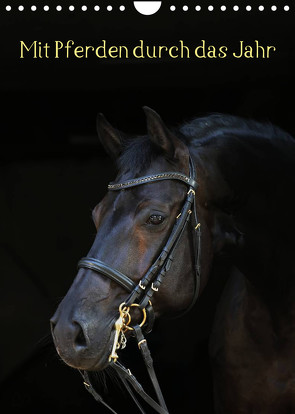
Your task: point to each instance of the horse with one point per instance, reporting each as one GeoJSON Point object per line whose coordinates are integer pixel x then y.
{"type": "Point", "coordinates": [216, 186]}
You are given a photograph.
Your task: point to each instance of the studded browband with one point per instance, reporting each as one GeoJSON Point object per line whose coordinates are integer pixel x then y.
{"type": "Point", "coordinates": [151, 178]}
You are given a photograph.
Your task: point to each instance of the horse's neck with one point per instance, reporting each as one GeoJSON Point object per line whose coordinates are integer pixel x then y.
{"type": "Point", "coordinates": [245, 318]}
{"type": "Point", "coordinates": [257, 201]}
{"type": "Point", "coordinates": [266, 254]}
{"type": "Point", "coordinates": [272, 276]}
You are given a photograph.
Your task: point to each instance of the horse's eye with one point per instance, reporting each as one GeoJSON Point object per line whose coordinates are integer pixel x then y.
{"type": "Point", "coordinates": [155, 219]}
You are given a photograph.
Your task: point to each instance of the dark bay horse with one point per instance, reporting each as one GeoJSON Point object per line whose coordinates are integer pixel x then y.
{"type": "Point", "coordinates": [244, 202]}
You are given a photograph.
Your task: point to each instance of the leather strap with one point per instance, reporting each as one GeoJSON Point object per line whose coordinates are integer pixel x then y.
{"type": "Point", "coordinates": [127, 375]}
{"type": "Point", "coordinates": [100, 267]}
{"type": "Point", "coordinates": [152, 178]}
{"type": "Point", "coordinates": [93, 392]}
{"type": "Point", "coordinates": [148, 360]}
{"type": "Point", "coordinates": [154, 276]}
{"type": "Point", "coordinates": [128, 378]}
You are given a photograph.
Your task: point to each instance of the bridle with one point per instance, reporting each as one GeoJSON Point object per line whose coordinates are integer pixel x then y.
{"type": "Point", "coordinates": [141, 294]}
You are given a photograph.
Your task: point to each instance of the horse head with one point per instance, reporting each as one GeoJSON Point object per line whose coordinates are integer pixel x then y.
{"type": "Point", "coordinates": [133, 226]}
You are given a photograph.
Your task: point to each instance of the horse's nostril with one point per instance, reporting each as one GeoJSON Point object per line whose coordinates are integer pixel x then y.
{"type": "Point", "coordinates": [80, 339]}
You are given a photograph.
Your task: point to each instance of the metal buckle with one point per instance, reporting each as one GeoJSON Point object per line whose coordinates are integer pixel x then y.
{"type": "Point", "coordinates": [191, 191]}
{"type": "Point", "coordinates": [141, 342]}
{"type": "Point", "coordinates": [141, 285]}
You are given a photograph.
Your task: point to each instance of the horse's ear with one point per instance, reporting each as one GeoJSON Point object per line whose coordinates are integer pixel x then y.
{"type": "Point", "coordinates": [110, 137]}
{"type": "Point", "coordinates": [160, 135]}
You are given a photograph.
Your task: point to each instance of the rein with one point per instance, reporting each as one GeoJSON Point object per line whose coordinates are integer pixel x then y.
{"type": "Point", "coordinates": [141, 294]}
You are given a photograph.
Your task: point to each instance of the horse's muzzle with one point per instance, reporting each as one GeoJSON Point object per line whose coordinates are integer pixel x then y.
{"type": "Point", "coordinates": [77, 347]}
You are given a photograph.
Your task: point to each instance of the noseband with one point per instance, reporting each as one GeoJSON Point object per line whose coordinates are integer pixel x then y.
{"type": "Point", "coordinates": [142, 293]}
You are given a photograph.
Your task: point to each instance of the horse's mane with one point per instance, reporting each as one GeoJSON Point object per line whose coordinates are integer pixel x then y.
{"type": "Point", "coordinates": [215, 129]}
{"type": "Point", "coordinates": [201, 131]}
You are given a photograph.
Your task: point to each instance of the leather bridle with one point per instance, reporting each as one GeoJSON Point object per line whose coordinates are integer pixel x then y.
{"type": "Point", "coordinates": [142, 293]}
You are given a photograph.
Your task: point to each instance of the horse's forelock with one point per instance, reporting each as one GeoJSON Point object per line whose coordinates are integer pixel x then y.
{"type": "Point", "coordinates": [138, 154]}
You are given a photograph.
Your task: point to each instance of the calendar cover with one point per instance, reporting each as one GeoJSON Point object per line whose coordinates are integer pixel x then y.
{"type": "Point", "coordinates": [184, 298]}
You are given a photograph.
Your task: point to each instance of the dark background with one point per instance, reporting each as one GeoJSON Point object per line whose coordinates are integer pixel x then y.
{"type": "Point", "coordinates": [54, 171]}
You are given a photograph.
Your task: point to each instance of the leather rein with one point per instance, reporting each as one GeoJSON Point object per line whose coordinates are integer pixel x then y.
{"type": "Point", "coordinates": [141, 294]}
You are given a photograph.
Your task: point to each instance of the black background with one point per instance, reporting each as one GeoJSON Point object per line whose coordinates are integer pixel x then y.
{"type": "Point", "coordinates": [53, 170]}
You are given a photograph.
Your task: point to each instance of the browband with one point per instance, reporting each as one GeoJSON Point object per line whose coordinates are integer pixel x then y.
{"type": "Point", "coordinates": [151, 178]}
